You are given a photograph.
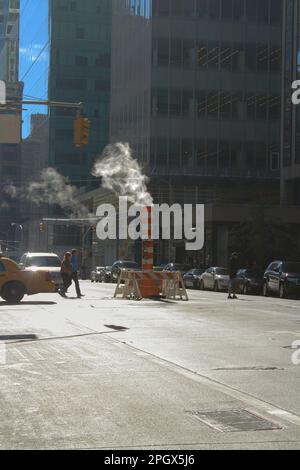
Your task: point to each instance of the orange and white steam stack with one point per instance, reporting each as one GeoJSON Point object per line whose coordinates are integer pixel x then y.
{"type": "Point", "coordinates": [147, 242]}
{"type": "Point", "coordinates": [149, 286]}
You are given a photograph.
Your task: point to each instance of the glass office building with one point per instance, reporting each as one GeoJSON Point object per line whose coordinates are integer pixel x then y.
{"type": "Point", "coordinates": [196, 88]}
{"type": "Point", "coordinates": [10, 155]}
{"type": "Point", "coordinates": [80, 48]}
{"type": "Point", "coordinates": [9, 40]}
{"type": "Point", "coordinates": [290, 151]}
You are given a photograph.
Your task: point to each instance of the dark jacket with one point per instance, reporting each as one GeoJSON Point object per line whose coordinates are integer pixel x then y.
{"type": "Point", "coordinates": [234, 266]}
{"type": "Point", "coordinates": [66, 267]}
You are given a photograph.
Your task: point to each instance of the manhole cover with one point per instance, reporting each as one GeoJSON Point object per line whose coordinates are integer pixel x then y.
{"type": "Point", "coordinates": [234, 421]}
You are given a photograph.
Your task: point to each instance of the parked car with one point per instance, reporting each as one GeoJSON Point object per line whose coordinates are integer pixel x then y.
{"type": "Point", "coordinates": [96, 273]}
{"type": "Point", "coordinates": [249, 282]}
{"type": "Point", "coordinates": [177, 267]}
{"type": "Point", "coordinates": [105, 274]}
{"type": "Point", "coordinates": [192, 278]}
{"type": "Point", "coordinates": [215, 278]}
{"type": "Point", "coordinates": [48, 262]}
{"type": "Point", "coordinates": [118, 265]}
{"type": "Point", "coordinates": [282, 278]}
{"type": "Point", "coordinates": [16, 282]}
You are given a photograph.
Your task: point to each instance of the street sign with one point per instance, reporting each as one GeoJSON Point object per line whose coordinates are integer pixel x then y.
{"type": "Point", "coordinates": [10, 128]}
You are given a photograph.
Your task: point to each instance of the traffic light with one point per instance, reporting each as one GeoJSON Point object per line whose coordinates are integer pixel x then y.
{"type": "Point", "coordinates": [81, 131]}
{"type": "Point", "coordinates": [42, 227]}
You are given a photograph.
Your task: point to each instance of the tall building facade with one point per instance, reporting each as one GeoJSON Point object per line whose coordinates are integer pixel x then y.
{"type": "Point", "coordinates": [80, 45]}
{"type": "Point", "coordinates": [9, 40]}
{"type": "Point", "coordinates": [10, 153]}
{"type": "Point", "coordinates": [196, 88]}
{"type": "Point", "coordinates": [290, 132]}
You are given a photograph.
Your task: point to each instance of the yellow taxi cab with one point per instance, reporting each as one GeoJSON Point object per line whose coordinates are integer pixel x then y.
{"type": "Point", "coordinates": [15, 282]}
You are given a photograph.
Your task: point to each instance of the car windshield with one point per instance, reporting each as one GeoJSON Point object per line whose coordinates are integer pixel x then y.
{"type": "Point", "coordinates": [291, 267]}
{"type": "Point", "coordinates": [222, 271]}
{"type": "Point", "coordinates": [197, 272]}
{"type": "Point", "coordinates": [43, 261]}
{"type": "Point", "coordinates": [128, 264]}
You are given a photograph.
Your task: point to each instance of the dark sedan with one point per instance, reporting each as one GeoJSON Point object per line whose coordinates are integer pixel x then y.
{"type": "Point", "coordinates": [177, 267]}
{"type": "Point", "coordinates": [282, 278]}
{"type": "Point", "coordinates": [118, 265]}
{"type": "Point", "coordinates": [249, 282]}
{"type": "Point", "coordinates": [192, 278]}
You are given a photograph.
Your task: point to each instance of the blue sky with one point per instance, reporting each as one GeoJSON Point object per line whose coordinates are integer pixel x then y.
{"type": "Point", "coordinates": [34, 55]}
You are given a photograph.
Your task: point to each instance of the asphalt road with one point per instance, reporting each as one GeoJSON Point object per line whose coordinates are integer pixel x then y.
{"type": "Point", "coordinates": [99, 373]}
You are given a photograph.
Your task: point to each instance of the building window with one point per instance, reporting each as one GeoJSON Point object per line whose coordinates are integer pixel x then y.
{"type": "Point", "coordinates": [262, 58]}
{"type": "Point", "coordinates": [102, 85]}
{"type": "Point", "coordinates": [73, 6]}
{"type": "Point", "coordinates": [212, 154]}
{"type": "Point", "coordinates": [263, 11]}
{"type": "Point", "coordinates": [274, 161]}
{"type": "Point", "coordinates": [214, 9]}
{"type": "Point", "coordinates": [103, 60]}
{"type": "Point", "coordinates": [251, 10]}
{"type": "Point", "coordinates": [177, 7]}
{"type": "Point", "coordinates": [162, 102]}
{"type": "Point", "coordinates": [162, 52]}
{"type": "Point", "coordinates": [175, 102]}
{"type": "Point", "coordinates": [238, 9]}
{"type": "Point", "coordinates": [80, 33]}
{"type": "Point", "coordinates": [174, 153]}
{"type": "Point", "coordinates": [64, 134]}
{"type": "Point", "coordinates": [161, 152]}
{"type": "Point", "coordinates": [202, 53]}
{"type": "Point", "coordinates": [275, 11]}
{"type": "Point", "coordinates": [176, 53]}
{"type": "Point", "coordinates": [161, 8]}
{"type": "Point", "coordinates": [226, 9]}
{"type": "Point", "coordinates": [188, 7]}
{"type": "Point", "coordinates": [72, 83]}
{"type": "Point", "coordinates": [81, 60]}
{"type": "Point", "coordinates": [201, 8]}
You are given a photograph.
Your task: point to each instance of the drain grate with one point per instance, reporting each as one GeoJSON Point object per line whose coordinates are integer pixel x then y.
{"type": "Point", "coordinates": [235, 421]}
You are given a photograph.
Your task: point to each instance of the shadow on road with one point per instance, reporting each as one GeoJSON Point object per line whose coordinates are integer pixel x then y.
{"type": "Point", "coordinates": [18, 337]}
{"type": "Point", "coordinates": [117, 327]}
{"type": "Point", "coordinates": [28, 303]}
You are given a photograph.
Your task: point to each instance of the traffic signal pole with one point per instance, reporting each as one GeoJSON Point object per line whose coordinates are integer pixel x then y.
{"type": "Point", "coordinates": [81, 124]}
{"type": "Point", "coordinates": [58, 104]}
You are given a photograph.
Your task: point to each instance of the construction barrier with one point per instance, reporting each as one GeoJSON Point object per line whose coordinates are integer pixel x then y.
{"type": "Point", "coordinates": [138, 285]}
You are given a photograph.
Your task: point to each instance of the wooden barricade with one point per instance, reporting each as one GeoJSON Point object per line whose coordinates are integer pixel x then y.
{"type": "Point", "coordinates": [147, 284]}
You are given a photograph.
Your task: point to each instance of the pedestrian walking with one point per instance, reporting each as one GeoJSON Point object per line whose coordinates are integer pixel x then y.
{"type": "Point", "coordinates": [234, 266]}
{"type": "Point", "coordinates": [66, 273]}
{"type": "Point", "coordinates": [75, 269]}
